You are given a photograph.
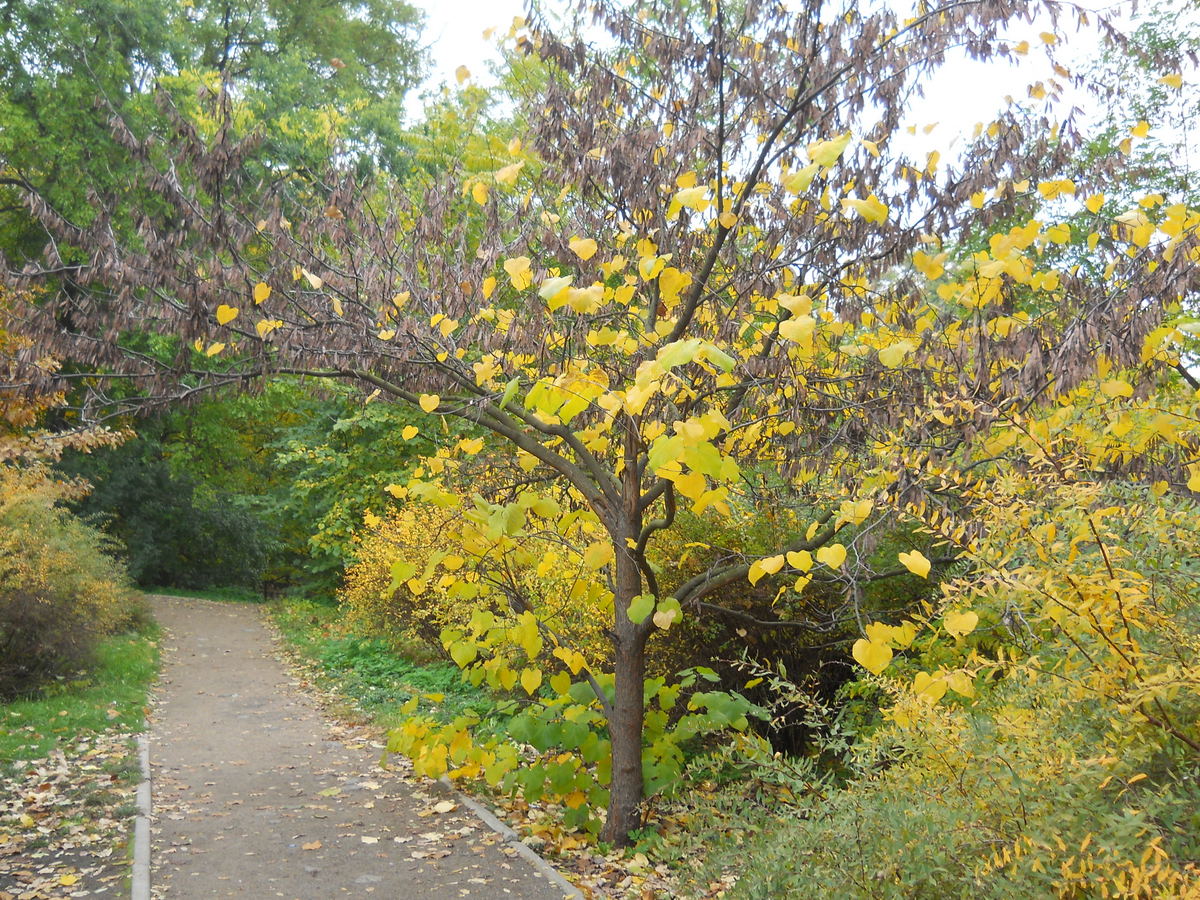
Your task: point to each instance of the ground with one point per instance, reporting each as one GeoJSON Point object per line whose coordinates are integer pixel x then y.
{"type": "Point", "coordinates": [257, 794]}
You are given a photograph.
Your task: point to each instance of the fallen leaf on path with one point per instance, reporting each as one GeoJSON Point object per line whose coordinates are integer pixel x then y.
{"type": "Point", "coordinates": [311, 845]}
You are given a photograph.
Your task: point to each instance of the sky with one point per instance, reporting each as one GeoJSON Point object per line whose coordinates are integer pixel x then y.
{"type": "Point", "coordinates": [964, 94]}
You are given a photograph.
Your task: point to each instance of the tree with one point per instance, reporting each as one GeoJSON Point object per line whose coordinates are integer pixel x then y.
{"type": "Point", "coordinates": [704, 277]}
{"type": "Point", "coordinates": [307, 74]}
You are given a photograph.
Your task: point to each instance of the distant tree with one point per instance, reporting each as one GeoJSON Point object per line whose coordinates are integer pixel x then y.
{"type": "Point", "coordinates": [306, 73]}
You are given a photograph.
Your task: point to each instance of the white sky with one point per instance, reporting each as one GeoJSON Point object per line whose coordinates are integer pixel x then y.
{"type": "Point", "coordinates": [963, 94]}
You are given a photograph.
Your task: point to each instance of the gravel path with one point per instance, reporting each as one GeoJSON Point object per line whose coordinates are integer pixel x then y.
{"type": "Point", "coordinates": [257, 795]}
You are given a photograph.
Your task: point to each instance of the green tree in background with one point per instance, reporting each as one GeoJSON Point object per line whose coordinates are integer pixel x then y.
{"type": "Point", "coordinates": [304, 74]}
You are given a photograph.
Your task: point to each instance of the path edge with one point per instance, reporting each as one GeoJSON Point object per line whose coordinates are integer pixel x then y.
{"type": "Point", "coordinates": [140, 889]}
{"type": "Point", "coordinates": [551, 874]}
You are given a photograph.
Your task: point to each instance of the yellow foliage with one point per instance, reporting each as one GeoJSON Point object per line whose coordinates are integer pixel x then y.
{"type": "Point", "coordinates": [406, 583]}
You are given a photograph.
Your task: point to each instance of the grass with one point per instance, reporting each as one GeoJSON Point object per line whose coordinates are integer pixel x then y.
{"type": "Point", "coordinates": [378, 675]}
{"type": "Point", "coordinates": [111, 696]}
{"type": "Point", "coordinates": [221, 594]}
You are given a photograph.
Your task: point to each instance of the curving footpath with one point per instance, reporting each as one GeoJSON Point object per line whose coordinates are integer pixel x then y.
{"type": "Point", "coordinates": [257, 795]}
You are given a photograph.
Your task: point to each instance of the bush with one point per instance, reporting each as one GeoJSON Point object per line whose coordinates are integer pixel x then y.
{"type": "Point", "coordinates": [42, 636]}
{"type": "Point", "coordinates": [397, 586]}
{"type": "Point", "coordinates": [60, 591]}
{"type": "Point", "coordinates": [1045, 746]}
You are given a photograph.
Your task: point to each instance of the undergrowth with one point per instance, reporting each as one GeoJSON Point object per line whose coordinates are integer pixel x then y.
{"type": "Point", "coordinates": [376, 674]}
{"type": "Point", "coordinates": [110, 696]}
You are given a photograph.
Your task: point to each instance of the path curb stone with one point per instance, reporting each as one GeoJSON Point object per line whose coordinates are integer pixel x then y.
{"type": "Point", "coordinates": [141, 825]}
{"type": "Point", "coordinates": [551, 874]}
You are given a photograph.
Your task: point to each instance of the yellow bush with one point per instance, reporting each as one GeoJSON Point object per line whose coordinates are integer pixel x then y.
{"type": "Point", "coordinates": [414, 578]}
{"type": "Point", "coordinates": [59, 590]}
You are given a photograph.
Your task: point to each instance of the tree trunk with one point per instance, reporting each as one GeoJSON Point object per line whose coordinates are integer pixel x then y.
{"type": "Point", "coordinates": [629, 663]}
{"type": "Point", "coordinates": [625, 723]}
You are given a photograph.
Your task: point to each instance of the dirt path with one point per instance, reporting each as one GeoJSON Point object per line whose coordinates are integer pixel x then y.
{"type": "Point", "coordinates": [256, 796]}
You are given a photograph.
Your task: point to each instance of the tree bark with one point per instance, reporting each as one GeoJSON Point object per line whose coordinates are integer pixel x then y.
{"type": "Point", "coordinates": [629, 663]}
{"type": "Point", "coordinates": [625, 722]}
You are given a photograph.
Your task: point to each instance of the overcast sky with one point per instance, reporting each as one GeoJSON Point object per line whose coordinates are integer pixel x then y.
{"type": "Point", "coordinates": [964, 94]}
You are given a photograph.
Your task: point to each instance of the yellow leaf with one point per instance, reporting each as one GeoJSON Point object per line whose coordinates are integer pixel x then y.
{"type": "Point", "coordinates": [214, 349]}
{"type": "Point", "coordinates": [554, 290]}
{"type": "Point", "coordinates": [1094, 203]}
{"type": "Point", "coordinates": [1194, 482]}
{"type": "Point", "coordinates": [1058, 188]}
{"type": "Point", "coordinates": [797, 182]}
{"type": "Point", "coordinates": [261, 292]}
{"type": "Point", "coordinates": [800, 559]}
{"type": "Point", "coordinates": [960, 624]}
{"type": "Point", "coordinates": [509, 174]}
{"type": "Point", "coordinates": [397, 491]}
{"type": "Point", "coordinates": [961, 683]}
{"type": "Point", "coordinates": [598, 555]}
{"type": "Point", "coordinates": [1048, 38]}
{"type": "Point", "coordinates": [1141, 129]}
{"type": "Point", "coordinates": [894, 354]}
{"type": "Point", "coordinates": [519, 272]}
{"type": "Point", "coordinates": [855, 512]}
{"type": "Point", "coordinates": [832, 555]}
{"type": "Point", "coordinates": [266, 326]}
{"type": "Point", "coordinates": [409, 432]}
{"type": "Point", "coordinates": [871, 209]}
{"type": "Point", "coordinates": [462, 73]}
{"type": "Point", "coordinates": [872, 656]}
{"type": "Point", "coordinates": [916, 563]}
{"type": "Point", "coordinates": [690, 198]}
{"type": "Point", "coordinates": [664, 617]}
{"type": "Point", "coordinates": [826, 153]}
{"type": "Point", "coordinates": [1116, 388]}
{"type": "Point", "coordinates": [584, 248]}
{"type": "Point", "coordinates": [470, 446]}
{"type": "Point", "coordinates": [1174, 80]}
{"type": "Point", "coordinates": [489, 285]}
{"type": "Point", "coordinates": [68, 880]}
{"type": "Point", "coordinates": [531, 680]}
{"type": "Point", "coordinates": [479, 192]}
{"type": "Point", "coordinates": [226, 314]}
{"type": "Point", "coordinates": [727, 220]}
{"type": "Point", "coordinates": [429, 402]}
{"type": "Point", "coordinates": [312, 279]}
{"type": "Point", "coordinates": [925, 685]}
{"type": "Point", "coordinates": [799, 329]}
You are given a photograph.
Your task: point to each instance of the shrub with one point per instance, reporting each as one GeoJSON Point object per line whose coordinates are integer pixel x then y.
{"type": "Point", "coordinates": [397, 586]}
{"type": "Point", "coordinates": [59, 588]}
{"type": "Point", "coordinates": [1039, 736]}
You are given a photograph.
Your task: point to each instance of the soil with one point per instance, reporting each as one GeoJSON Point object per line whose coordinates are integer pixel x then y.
{"type": "Point", "coordinates": [257, 794]}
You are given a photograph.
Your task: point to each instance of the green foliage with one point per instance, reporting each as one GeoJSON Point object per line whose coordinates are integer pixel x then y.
{"type": "Point", "coordinates": [378, 674]}
{"type": "Point", "coordinates": [111, 695]}
{"type": "Point", "coordinates": [172, 533]}
{"type": "Point", "coordinates": [332, 467]}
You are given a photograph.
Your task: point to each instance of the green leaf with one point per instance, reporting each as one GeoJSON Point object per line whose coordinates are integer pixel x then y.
{"type": "Point", "coordinates": [640, 607]}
